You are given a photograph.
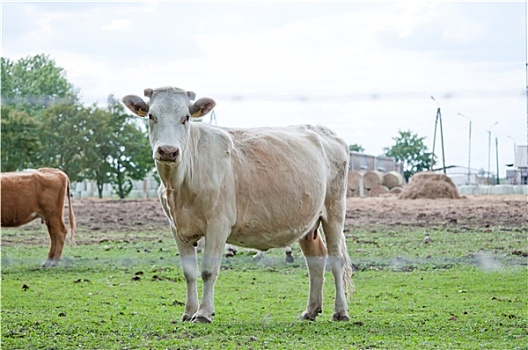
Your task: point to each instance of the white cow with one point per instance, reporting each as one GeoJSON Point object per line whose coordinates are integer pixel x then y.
{"type": "Point", "coordinates": [258, 188]}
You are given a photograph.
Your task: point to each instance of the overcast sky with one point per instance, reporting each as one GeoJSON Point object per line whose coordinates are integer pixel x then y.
{"type": "Point", "coordinates": [366, 70]}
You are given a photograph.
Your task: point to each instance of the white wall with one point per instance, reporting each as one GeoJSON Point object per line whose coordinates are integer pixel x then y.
{"type": "Point", "coordinates": [147, 188]}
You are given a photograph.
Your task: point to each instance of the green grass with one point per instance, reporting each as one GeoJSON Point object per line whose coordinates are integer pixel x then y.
{"type": "Point", "coordinates": [464, 290]}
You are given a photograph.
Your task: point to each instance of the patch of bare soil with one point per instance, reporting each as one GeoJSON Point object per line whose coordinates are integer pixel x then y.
{"type": "Point", "coordinates": [507, 212]}
{"type": "Point", "coordinates": [96, 218]}
{"type": "Point", "coordinates": [129, 215]}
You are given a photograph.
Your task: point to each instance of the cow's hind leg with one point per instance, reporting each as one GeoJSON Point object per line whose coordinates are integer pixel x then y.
{"type": "Point", "coordinates": [338, 261]}
{"type": "Point", "coordinates": [57, 232]}
{"type": "Point", "coordinates": [51, 252]}
{"type": "Point", "coordinates": [315, 253]}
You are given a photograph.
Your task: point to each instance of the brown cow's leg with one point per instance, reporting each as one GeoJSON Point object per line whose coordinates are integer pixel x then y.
{"type": "Point", "coordinates": [52, 234]}
{"type": "Point", "coordinates": [289, 255]}
{"type": "Point", "coordinates": [315, 253]}
{"type": "Point", "coordinates": [57, 232]}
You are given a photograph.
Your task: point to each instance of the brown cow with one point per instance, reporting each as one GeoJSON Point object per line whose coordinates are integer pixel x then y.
{"type": "Point", "coordinates": [39, 194]}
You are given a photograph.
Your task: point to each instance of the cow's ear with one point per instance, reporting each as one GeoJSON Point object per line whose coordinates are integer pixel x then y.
{"type": "Point", "coordinates": [202, 107]}
{"type": "Point", "coordinates": [136, 105]}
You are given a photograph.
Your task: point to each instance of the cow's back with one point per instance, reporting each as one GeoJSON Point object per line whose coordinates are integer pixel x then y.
{"type": "Point", "coordinates": [283, 177]}
{"type": "Point", "coordinates": [28, 195]}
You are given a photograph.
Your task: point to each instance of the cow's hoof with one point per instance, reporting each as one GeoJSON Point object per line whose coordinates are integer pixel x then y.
{"type": "Point", "coordinates": [306, 316]}
{"type": "Point", "coordinates": [186, 317]}
{"type": "Point", "coordinates": [49, 263]}
{"type": "Point", "coordinates": [339, 317]}
{"type": "Point", "coordinates": [200, 319]}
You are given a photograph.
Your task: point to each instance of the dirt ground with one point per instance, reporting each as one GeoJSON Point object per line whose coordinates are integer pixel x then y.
{"type": "Point", "coordinates": [510, 213]}
{"type": "Point", "coordinates": [472, 211]}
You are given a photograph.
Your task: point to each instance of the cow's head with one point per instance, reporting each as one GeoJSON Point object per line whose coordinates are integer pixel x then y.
{"type": "Point", "coordinates": [169, 111]}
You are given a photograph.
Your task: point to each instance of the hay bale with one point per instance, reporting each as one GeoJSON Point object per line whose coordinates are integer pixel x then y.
{"type": "Point", "coordinates": [378, 191]}
{"type": "Point", "coordinates": [354, 178]}
{"type": "Point", "coordinates": [392, 179]}
{"type": "Point", "coordinates": [396, 190]}
{"type": "Point", "coordinates": [372, 179]}
{"type": "Point", "coordinates": [431, 176]}
{"type": "Point", "coordinates": [352, 193]}
{"type": "Point", "coordinates": [429, 185]}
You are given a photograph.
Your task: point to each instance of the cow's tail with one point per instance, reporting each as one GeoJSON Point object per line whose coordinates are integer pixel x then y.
{"type": "Point", "coordinates": [73, 226]}
{"type": "Point", "coordinates": [348, 282]}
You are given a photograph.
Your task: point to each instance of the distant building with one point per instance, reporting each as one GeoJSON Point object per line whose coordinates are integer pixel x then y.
{"type": "Point", "coordinates": [519, 175]}
{"type": "Point", "coordinates": [364, 162]}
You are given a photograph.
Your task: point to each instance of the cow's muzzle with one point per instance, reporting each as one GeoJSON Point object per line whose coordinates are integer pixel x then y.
{"type": "Point", "coordinates": [167, 153]}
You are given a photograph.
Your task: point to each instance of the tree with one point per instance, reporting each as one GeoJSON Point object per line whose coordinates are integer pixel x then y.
{"type": "Point", "coordinates": [40, 111]}
{"type": "Point", "coordinates": [65, 134]}
{"type": "Point", "coordinates": [20, 141]}
{"type": "Point", "coordinates": [356, 148]}
{"type": "Point", "coordinates": [28, 86]}
{"type": "Point", "coordinates": [103, 145]}
{"type": "Point", "coordinates": [411, 151]}
{"type": "Point", "coordinates": [131, 157]}
{"type": "Point", "coordinates": [100, 149]}
{"type": "Point", "coordinates": [35, 83]}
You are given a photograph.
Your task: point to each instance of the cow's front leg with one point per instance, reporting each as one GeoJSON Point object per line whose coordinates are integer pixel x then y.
{"type": "Point", "coordinates": [190, 272]}
{"type": "Point", "coordinates": [214, 246]}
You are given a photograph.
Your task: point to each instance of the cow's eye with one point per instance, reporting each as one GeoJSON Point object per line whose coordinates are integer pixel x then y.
{"type": "Point", "coordinates": [186, 119]}
{"type": "Point", "coordinates": [152, 118]}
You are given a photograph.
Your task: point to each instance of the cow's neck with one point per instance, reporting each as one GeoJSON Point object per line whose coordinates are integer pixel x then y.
{"type": "Point", "coordinates": [172, 176]}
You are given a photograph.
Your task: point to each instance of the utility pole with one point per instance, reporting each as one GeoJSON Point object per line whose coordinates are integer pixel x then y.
{"type": "Point", "coordinates": [489, 150]}
{"type": "Point", "coordinates": [213, 118]}
{"type": "Point", "coordinates": [497, 157]}
{"type": "Point", "coordinates": [526, 71]}
{"type": "Point", "coordinates": [438, 120]}
{"type": "Point", "coordinates": [469, 152]}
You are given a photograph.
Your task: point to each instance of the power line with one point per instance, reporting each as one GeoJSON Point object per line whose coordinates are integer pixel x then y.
{"type": "Point", "coordinates": [365, 96]}
{"type": "Point", "coordinates": [307, 97]}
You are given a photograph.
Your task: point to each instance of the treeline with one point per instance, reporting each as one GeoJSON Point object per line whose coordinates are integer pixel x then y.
{"type": "Point", "coordinates": [44, 124]}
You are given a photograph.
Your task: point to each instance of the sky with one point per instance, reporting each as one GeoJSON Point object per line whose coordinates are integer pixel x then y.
{"type": "Point", "coordinates": [367, 70]}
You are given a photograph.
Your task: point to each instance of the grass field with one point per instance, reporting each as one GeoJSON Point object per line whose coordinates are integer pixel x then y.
{"type": "Point", "coordinates": [464, 290]}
